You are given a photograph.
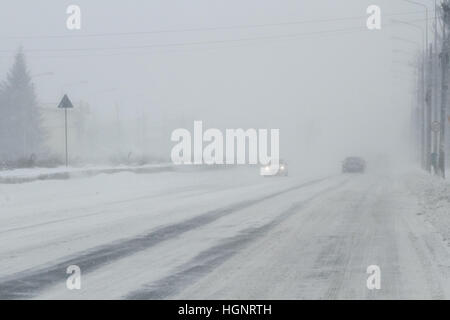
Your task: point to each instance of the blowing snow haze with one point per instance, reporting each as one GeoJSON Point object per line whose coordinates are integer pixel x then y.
{"type": "Point", "coordinates": [224, 149]}
{"type": "Point", "coordinates": [309, 68]}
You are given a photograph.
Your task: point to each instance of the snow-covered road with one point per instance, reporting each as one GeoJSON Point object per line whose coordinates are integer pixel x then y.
{"type": "Point", "coordinates": [225, 234]}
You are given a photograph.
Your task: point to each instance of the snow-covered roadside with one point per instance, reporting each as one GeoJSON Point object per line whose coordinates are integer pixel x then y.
{"type": "Point", "coordinates": [433, 195]}
{"type": "Point", "coordinates": [59, 173]}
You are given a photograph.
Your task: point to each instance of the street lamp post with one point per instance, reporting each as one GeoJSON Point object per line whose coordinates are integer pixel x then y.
{"type": "Point", "coordinates": [421, 85]}
{"type": "Point", "coordinates": [425, 101]}
{"type": "Point", "coordinates": [426, 17]}
{"type": "Point", "coordinates": [427, 91]}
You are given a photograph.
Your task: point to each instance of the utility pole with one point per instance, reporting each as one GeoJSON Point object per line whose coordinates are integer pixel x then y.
{"type": "Point", "coordinates": [425, 120]}
{"type": "Point", "coordinates": [428, 102]}
{"type": "Point", "coordinates": [444, 90]}
{"type": "Point", "coordinates": [422, 108]}
{"type": "Point", "coordinates": [417, 124]}
{"type": "Point", "coordinates": [434, 71]}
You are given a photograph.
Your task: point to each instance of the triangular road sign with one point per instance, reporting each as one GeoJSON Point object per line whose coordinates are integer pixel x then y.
{"type": "Point", "coordinates": [65, 103]}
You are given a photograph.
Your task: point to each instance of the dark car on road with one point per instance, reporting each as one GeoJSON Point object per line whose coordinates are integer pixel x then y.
{"type": "Point", "coordinates": [354, 164]}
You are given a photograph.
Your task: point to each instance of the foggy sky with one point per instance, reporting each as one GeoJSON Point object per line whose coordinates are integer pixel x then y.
{"type": "Point", "coordinates": [330, 95]}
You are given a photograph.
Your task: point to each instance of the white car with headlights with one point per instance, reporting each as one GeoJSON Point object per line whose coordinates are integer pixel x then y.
{"type": "Point", "coordinates": [268, 170]}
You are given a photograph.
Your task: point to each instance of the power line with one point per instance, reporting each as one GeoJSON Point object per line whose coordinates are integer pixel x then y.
{"type": "Point", "coordinates": [194, 43]}
{"type": "Point", "coordinates": [249, 40]}
{"type": "Point", "coordinates": [199, 43]}
{"type": "Point", "coordinates": [203, 28]}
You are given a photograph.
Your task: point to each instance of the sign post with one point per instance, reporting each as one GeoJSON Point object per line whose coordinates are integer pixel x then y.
{"type": "Point", "coordinates": [66, 104]}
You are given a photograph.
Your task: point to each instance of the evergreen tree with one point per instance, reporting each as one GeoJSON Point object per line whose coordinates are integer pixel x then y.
{"type": "Point", "coordinates": [21, 132]}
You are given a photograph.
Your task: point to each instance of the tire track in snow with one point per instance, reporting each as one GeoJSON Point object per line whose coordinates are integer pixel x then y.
{"type": "Point", "coordinates": [210, 259]}
{"type": "Point", "coordinates": [28, 283]}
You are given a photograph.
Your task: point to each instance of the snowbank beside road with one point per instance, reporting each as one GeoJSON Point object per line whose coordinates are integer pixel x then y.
{"type": "Point", "coordinates": [433, 195]}
{"type": "Point", "coordinates": [63, 173]}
